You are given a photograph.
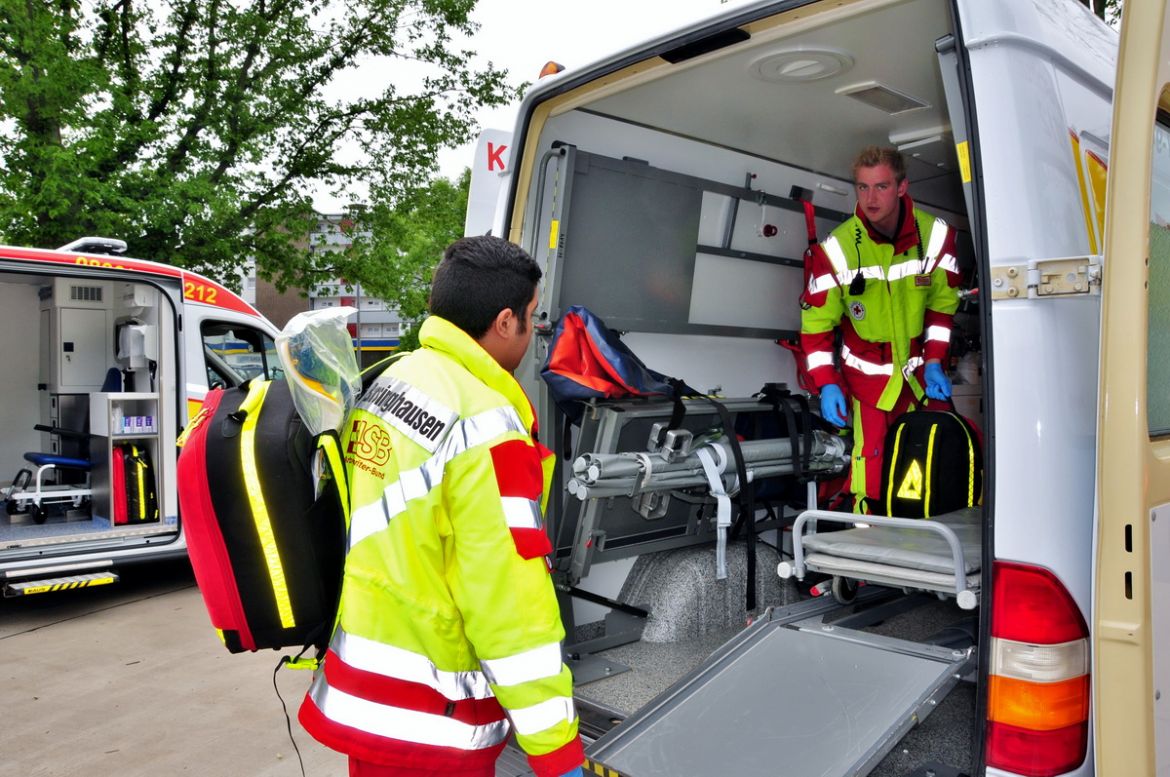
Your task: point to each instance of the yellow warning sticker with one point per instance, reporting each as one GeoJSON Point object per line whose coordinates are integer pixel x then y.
{"type": "Point", "coordinates": [54, 587]}
{"type": "Point", "coordinates": [911, 487]}
{"type": "Point", "coordinates": [964, 153]}
{"type": "Point", "coordinates": [592, 767]}
{"type": "Point", "coordinates": [554, 228]}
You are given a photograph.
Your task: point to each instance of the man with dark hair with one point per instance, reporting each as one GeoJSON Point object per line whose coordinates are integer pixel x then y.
{"type": "Point", "coordinates": [887, 279]}
{"type": "Point", "coordinates": [449, 633]}
{"type": "Point", "coordinates": [476, 277]}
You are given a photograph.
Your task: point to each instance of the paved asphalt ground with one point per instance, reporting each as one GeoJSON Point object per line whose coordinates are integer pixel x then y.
{"type": "Point", "coordinates": [129, 680]}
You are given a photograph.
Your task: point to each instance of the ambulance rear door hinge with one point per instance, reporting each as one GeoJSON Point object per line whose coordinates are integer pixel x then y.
{"type": "Point", "coordinates": [1047, 278]}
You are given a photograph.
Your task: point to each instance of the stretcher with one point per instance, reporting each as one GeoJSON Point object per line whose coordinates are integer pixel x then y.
{"type": "Point", "coordinates": [29, 493]}
{"type": "Point", "coordinates": [33, 493]}
{"type": "Point", "coordinates": [941, 554]}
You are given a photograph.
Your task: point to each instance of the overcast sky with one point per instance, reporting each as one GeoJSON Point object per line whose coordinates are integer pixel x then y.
{"type": "Point", "coordinates": [521, 35]}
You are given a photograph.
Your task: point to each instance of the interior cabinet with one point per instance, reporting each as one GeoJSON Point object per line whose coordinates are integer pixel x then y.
{"type": "Point", "coordinates": [117, 419]}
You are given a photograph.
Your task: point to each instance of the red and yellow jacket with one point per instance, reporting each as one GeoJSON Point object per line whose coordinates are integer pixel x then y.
{"type": "Point", "coordinates": [449, 631]}
{"type": "Point", "coordinates": [899, 321]}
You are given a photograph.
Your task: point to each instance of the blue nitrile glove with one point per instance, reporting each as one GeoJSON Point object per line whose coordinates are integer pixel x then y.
{"type": "Point", "coordinates": [938, 385]}
{"type": "Point", "coordinates": [578, 772]}
{"type": "Point", "coordinates": [833, 404]}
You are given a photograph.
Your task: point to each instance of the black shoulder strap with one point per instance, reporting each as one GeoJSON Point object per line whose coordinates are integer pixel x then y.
{"type": "Point", "coordinates": [371, 373]}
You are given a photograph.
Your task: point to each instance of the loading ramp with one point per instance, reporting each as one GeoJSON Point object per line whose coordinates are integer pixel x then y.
{"type": "Point", "coordinates": [790, 695]}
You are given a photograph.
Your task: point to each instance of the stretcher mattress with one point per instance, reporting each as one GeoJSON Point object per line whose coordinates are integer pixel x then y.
{"type": "Point", "coordinates": [914, 550]}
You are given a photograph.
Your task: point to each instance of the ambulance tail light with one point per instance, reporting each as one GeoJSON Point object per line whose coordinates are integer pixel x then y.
{"type": "Point", "coordinates": [1038, 692]}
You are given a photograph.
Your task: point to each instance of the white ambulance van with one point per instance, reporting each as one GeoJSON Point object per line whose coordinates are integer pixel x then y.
{"type": "Point", "coordinates": [661, 189]}
{"type": "Point", "coordinates": [105, 359]}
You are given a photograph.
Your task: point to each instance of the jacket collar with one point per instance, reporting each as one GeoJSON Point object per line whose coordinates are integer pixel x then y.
{"type": "Point", "coordinates": [439, 334]}
{"type": "Point", "coordinates": [907, 236]}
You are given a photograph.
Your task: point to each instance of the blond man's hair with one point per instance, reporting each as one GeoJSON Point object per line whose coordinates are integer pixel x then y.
{"type": "Point", "coordinates": [872, 156]}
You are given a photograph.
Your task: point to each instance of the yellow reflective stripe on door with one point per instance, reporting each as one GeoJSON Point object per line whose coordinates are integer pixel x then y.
{"type": "Point", "coordinates": [251, 406]}
{"type": "Point", "coordinates": [1080, 164]}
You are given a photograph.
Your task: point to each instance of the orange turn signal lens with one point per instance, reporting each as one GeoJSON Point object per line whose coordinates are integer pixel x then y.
{"type": "Point", "coordinates": [1038, 706]}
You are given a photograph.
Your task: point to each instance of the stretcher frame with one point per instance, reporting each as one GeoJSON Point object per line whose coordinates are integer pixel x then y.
{"type": "Point", "coordinates": [28, 493]}
{"type": "Point", "coordinates": [960, 583]}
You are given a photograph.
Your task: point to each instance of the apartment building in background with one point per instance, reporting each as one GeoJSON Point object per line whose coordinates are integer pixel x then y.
{"type": "Point", "coordinates": [375, 327]}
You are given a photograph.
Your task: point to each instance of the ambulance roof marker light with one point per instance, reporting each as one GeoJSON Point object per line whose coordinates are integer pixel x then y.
{"type": "Point", "coordinates": [551, 68]}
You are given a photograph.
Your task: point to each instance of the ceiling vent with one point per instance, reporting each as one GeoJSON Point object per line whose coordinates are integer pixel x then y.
{"type": "Point", "coordinates": [882, 97]}
{"type": "Point", "coordinates": [800, 65]}
{"type": "Point", "coordinates": [85, 293]}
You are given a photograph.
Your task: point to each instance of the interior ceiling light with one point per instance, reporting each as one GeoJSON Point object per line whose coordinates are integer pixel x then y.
{"type": "Point", "coordinates": [882, 97]}
{"type": "Point", "coordinates": [799, 65]}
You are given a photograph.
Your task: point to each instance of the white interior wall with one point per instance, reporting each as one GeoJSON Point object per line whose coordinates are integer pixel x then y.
{"type": "Point", "coordinates": [19, 314]}
{"type": "Point", "coordinates": [158, 314]}
{"type": "Point", "coordinates": [162, 315]}
{"type": "Point", "coordinates": [726, 291]}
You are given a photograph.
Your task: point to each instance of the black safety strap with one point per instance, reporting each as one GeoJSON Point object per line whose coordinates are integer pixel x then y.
{"type": "Point", "coordinates": [803, 463]}
{"type": "Point", "coordinates": [678, 412]}
{"type": "Point", "coordinates": [566, 436]}
{"type": "Point", "coordinates": [800, 434]}
{"type": "Point", "coordinates": [605, 601]}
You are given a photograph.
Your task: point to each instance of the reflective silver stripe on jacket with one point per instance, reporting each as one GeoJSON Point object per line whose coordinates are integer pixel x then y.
{"type": "Point", "coordinates": [821, 283]}
{"type": "Point", "coordinates": [820, 359]}
{"type": "Point", "coordinates": [535, 664]}
{"type": "Point", "coordinates": [417, 483]}
{"type": "Point", "coordinates": [938, 333]}
{"type": "Point", "coordinates": [389, 661]}
{"type": "Point", "coordinates": [546, 714]}
{"type": "Point", "coordinates": [402, 724]}
{"type": "Point", "coordinates": [938, 236]}
{"type": "Point", "coordinates": [949, 263]}
{"type": "Point", "coordinates": [832, 249]}
{"type": "Point", "coordinates": [906, 269]}
{"type": "Point", "coordinates": [863, 365]}
{"type": "Point", "coordinates": [521, 513]}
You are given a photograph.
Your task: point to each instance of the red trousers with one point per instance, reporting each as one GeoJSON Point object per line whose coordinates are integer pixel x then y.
{"type": "Point", "coordinates": [869, 441]}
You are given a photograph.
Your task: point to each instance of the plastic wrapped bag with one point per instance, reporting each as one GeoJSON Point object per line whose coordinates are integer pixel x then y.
{"type": "Point", "coordinates": [316, 351]}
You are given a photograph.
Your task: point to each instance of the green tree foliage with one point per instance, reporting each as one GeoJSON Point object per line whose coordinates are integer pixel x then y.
{"type": "Point", "coordinates": [399, 245]}
{"type": "Point", "coordinates": [1109, 10]}
{"type": "Point", "coordinates": [196, 130]}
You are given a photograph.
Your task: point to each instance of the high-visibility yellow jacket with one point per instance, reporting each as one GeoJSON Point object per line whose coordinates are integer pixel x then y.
{"type": "Point", "coordinates": [449, 627]}
{"type": "Point", "coordinates": [899, 321]}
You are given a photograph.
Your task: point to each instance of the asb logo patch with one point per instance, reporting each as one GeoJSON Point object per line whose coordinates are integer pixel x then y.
{"type": "Point", "coordinates": [911, 487]}
{"type": "Point", "coordinates": [857, 310]}
{"type": "Point", "coordinates": [369, 442]}
{"type": "Point", "coordinates": [368, 448]}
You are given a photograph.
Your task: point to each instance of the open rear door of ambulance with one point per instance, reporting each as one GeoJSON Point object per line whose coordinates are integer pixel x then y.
{"type": "Point", "coordinates": [1131, 674]}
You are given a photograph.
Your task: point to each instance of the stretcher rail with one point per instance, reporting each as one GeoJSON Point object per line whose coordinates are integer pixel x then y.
{"type": "Point", "coordinates": [798, 567]}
